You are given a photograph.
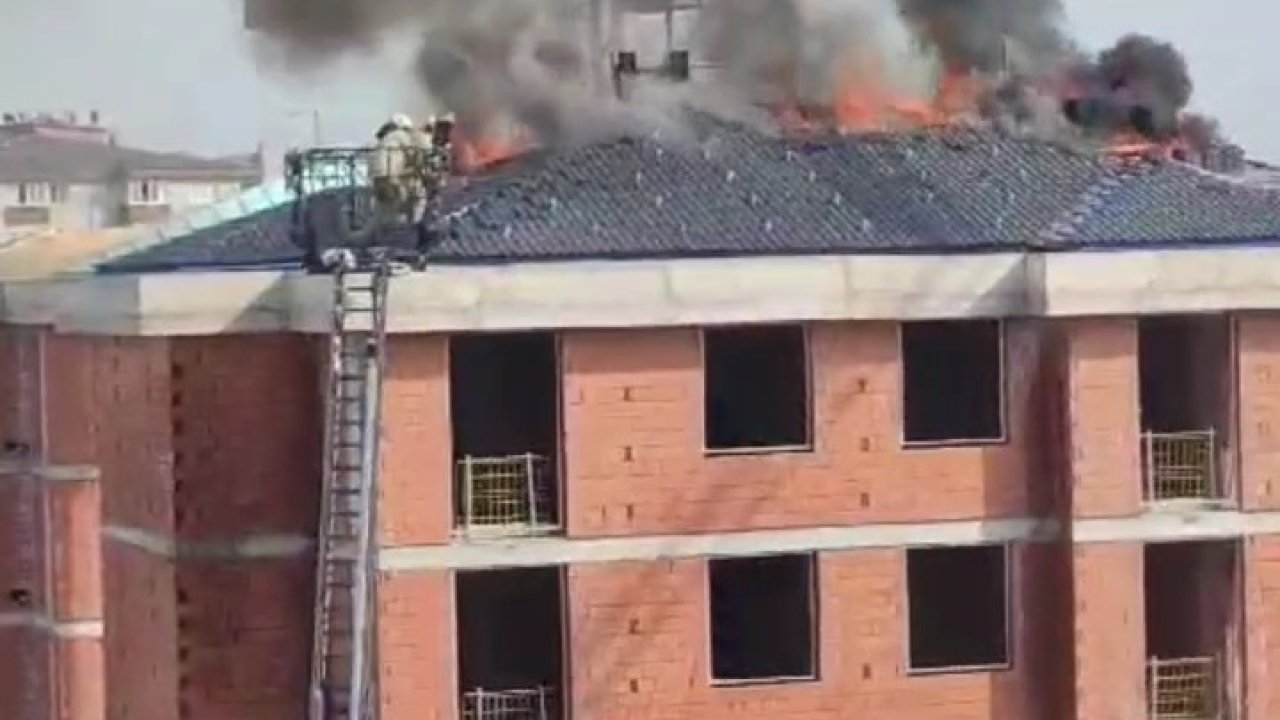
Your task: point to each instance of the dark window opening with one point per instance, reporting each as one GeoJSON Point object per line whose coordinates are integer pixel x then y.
{"type": "Point", "coordinates": [510, 642]}
{"type": "Point", "coordinates": [763, 618]}
{"type": "Point", "coordinates": [1184, 372]}
{"type": "Point", "coordinates": [958, 607]}
{"type": "Point", "coordinates": [1188, 589]}
{"type": "Point", "coordinates": [757, 387]}
{"type": "Point", "coordinates": [504, 406]}
{"type": "Point", "coordinates": [952, 381]}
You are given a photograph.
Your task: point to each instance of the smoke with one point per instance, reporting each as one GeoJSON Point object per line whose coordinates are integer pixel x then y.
{"type": "Point", "coordinates": [506, 66]}
{"type": "Point", "coordinates": [311, 31]}
{"type": "Point", "coordinates": [990, 36]}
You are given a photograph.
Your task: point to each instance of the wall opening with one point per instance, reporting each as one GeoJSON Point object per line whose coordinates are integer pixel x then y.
{"type": "Point", "coordinates": [510, 643]}
{"type": "Point", "coordinates": [958, 600]}
{"type": "Point", "coordinates": [763, 615]}
{"type": "Point", "coordinates": [1191, 617]}
{"type": "Point", "coordinates": [505, 412]}
{"type": "Point", "coordinates": [756, 387]}
{"type": "Point", "coordinates": [952, 381]}
{"type": "Point", "coordinates": [1186, 385]}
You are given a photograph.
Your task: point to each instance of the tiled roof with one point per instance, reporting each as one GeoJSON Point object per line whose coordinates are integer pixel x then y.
{"type": "Point", "coordinates": [35, 158]}
{"type": "Point", "coordinates": [742, 193]}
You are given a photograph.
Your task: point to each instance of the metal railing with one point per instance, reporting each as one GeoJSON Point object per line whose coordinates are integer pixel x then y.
{"type": "Point", "coordinates": [511, 495]}
{"type": "Point", "coordinates": [1185, 689]}
{"type": "Point", "coordinates": [1181, 466]}
{"type": "Point", "coordinates": [540, 703]}
{"type": "Point", "coordinates": [358, 192]}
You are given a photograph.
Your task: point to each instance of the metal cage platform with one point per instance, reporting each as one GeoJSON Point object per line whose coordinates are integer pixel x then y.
{"type": "Point", "coordinates": [364, 199]}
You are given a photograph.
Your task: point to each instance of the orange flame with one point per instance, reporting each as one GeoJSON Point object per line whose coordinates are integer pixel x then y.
{"type": "Point", "coordinates": [473, 155]}
{"type": "Point", "coordinates": [863, 103]}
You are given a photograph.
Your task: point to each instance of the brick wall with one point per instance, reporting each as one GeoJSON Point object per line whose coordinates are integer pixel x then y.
{"type": "Point", "coordinates": [638, 641]}
{"type": "Point", "coordinates": [1258, 342]}
{"type": "Point", "coordinates": [1102, 435]}
{"type": "Point", "coordinates": [634, 446]}
{"type": "Point", "coordinates": [1110, 639]}
{"type": "Point", "coordinates": [141, 634]}
{"type": "Point", "coordinates": [417, 477]}
{"type": "Point", "coordinates": [207, 440]}
{"type": "Point", "coordinates": [243, 644]}
{"type": "Point", "coordinates": [247, 424]}
{"type": "Point", "coordinates": [131, 381]}
{"type": "Point", "coordinates": [417, 650]}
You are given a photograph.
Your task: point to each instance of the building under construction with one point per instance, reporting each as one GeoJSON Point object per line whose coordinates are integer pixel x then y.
{"type": "Point", "coordinates": [934, 424]}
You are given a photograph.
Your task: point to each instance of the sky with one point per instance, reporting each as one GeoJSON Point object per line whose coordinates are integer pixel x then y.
{"type": "Point", "coordinates": [185, 75]}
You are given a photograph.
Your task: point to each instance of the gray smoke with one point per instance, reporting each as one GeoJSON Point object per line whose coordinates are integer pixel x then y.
{"type": "Point", "coordinates": [507, 64]}
{"type": "Point", "coordinates": [310, 31]}
{"type": "Point", "coordinates": [1143, 74]}
{"type": "Point", "coordinates": [988, 36]}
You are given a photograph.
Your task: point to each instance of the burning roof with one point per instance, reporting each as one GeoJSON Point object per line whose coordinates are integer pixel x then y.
{"type": "Point", "coordinates": [519, 73]}
{"type": "Point", "coordinates": [738, 192]}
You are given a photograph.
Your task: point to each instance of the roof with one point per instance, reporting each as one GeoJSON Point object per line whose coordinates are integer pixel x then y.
{"type": "Point", "coordinates": [36, 158]}
{"type": "Point", "coordinates": [741, 193]}
{"type": "Point", "coordinates": [48, 253]}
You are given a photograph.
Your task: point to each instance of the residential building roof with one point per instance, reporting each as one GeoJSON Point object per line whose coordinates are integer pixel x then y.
{"type": "Point", "coordinates": [42, 158]}
{"type": "Point", "coordinates": [45, 254]}
{"type": "Point", "coordinates": [742, 193]}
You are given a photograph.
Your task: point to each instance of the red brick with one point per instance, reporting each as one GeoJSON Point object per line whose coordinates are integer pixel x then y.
{"type": "Point", "coordinates": [21, 549]}
{"type": "Point", "coordinates": [637, 465]}
{"type": "Point", "coordinates": [644, 625]}
{"type": "Point", "coordinates": [1258, 340]}
{"type": "Point", "coordinates": [1110, 638]}
{"type": "Point", "coordinates": [135, 456]}
{"type": "Point", "coordinates": [244, 638]}
{"type": "Point", "coordinates": [80, 692]}
{"type": "Point", "coordinates": [25, 665]}
{"type": "Point", "coordinates": [1262, 641]}
{"type": "Point", "coordinates": [76, 551]}
{"type": "Point", "coordinates": [417, 651]}
{"type": "Point", "coordinates": [415, 507]}
{"type": "Point", "coordinates": [141, 635]}
{"type": "Point", "coordinates": [1103, 422]}
{"type": "Point", "coordinates": [247, 428]}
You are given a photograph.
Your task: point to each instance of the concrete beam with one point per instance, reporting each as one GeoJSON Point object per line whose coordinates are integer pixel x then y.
{"type": "Point", "coordinates": [659, 293]}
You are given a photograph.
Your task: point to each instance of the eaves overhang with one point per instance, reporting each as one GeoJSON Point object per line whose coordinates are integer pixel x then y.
{"type": "Point", "coordinates": [672, 292]}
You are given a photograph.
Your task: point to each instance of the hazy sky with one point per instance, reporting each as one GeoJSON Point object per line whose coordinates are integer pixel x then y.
{"type": "Point", "coordinates": [181, 75]}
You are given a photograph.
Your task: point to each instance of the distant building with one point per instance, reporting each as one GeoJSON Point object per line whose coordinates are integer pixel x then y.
{"type": "Point", "coordinates": [56, 172]}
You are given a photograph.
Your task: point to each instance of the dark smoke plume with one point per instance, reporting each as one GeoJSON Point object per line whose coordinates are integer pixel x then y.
{"type": "Point", "coordinates": [502, 64]}
{"type": "Point", "coordinates": [989, 36]}
{"type": "Point", "coordinates": [309, 31]}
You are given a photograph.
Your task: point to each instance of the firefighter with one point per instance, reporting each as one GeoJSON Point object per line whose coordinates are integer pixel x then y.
{"type": "Point", "coordinates": [395, 166]}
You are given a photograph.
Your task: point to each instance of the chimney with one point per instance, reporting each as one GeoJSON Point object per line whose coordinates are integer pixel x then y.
{"type": "Point", "coordinates": [442, 132]}
{"type": "Point", "coordinates": [93, 117]}
{"type": "Point", "coordinates": [626, 65]}
{"type": "Point", "coordinates": [678, 65]}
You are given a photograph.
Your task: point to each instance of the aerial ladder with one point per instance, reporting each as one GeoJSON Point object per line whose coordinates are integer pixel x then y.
{"type": "Point", "coordinates": [358, 228]}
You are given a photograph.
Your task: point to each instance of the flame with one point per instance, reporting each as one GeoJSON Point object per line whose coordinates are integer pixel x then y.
{"type": "Point", "coordinates": [475, 154]}
{"type": "Point", "coordinates": [863, 103]}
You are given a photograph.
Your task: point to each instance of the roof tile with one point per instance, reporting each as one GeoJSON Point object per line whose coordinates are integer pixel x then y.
{"type": "Point", "coordinates": [740, 192]}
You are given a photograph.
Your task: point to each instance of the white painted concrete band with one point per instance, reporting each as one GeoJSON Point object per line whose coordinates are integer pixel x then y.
{"type": "Point", "coordinates": [51, 473]}
{"type": "Point", "coordinates": [1177, 527]}
{"type": "Point", "coordinates": [1174, 526]}
{"type": "Point", "coordinates": [655, 293]}
{"type": "Point", "coordinates": [246, 548]}
{"type": "Point", "coordinates": [554, 551]}
{"type": "Point", "coordinates": [67, 629]}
